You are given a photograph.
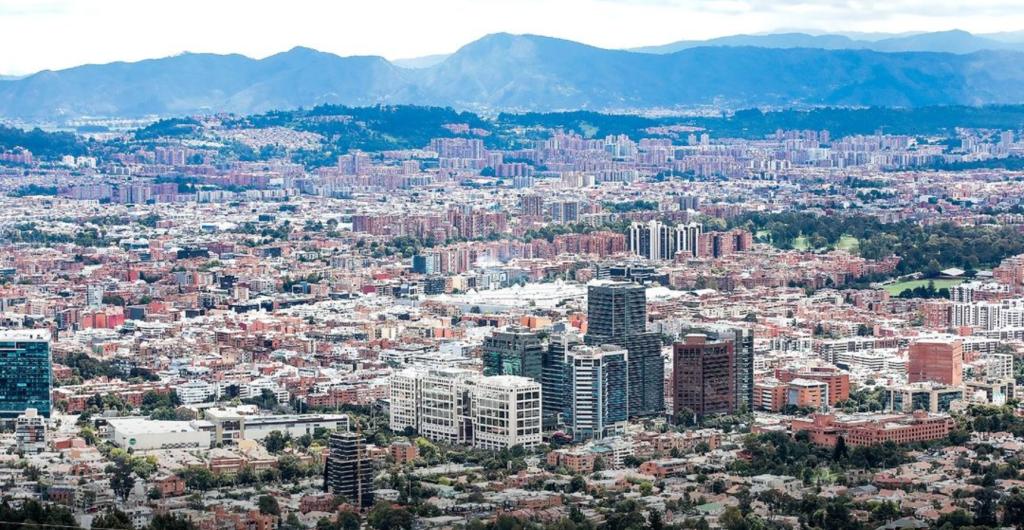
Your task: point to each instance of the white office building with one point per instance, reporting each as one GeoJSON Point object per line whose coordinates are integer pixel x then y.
{"type": "Point", "coordinates": [458, 406]}
{"type": "Point", "coordinates": [506, 412]}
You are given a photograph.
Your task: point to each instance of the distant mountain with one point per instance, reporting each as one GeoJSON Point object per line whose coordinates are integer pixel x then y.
{"type": "Point", "coordinates": [527, 72]}
{"type": "Point", "coordinates": [421, 62]}
{"type": "Point", "coordinates": [955, 41]}
{"type": "Point", "coordinates": [523, 72]}
{"type": "Point", "coordinates": [775, 40]}
{"type": "Point", "coordinates": [190, 83]}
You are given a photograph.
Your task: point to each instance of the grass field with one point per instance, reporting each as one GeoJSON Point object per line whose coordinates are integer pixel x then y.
{"type": "Point", "coordinates": [848, 243]}
{"type": "Point", "coordinates": [897, 288]}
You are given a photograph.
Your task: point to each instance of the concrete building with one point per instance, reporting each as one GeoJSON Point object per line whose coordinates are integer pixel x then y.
{"type": "Point", "coordinates": [506, 412]}
{"type": "Point", "coordinates": [230, 425]}
{"type": "Point", "coordinates": [458, 406]}
{"type": "Point", "coordinates": [926, 396]}
{"type": "Point", "coordinates": [141, 434]}
{"type": "Point", "coordinates": [655, 240]}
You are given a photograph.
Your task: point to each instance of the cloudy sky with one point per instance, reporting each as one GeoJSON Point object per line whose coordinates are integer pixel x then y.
{"type": "Point", "coordinates": [50, 34]}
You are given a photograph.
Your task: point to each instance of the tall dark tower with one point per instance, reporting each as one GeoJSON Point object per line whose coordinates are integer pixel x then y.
{"type": "Point", "coordinates": [349, 471]}
{"type": "Point", "coordinates": [617, 314]}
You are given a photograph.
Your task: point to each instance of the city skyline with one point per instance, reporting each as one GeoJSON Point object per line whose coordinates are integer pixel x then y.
{"type": "Point", "coordinates": [114, 30]}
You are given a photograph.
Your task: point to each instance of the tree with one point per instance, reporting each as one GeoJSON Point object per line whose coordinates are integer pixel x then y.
{"type": "Point", "coordinates": [348, 520]}
{"type": "Point", "coordinates": [276, 442]}
{"type": "Point", "coordinates": [166, 521]}
{"type": "Point", "coordinates": [268, 505]}
{"type": "Point", "coordinates": [654, 521]}
{"type": "Point", "coordinates": [839, 452]}
{"type": "Point", "coordinates": [985, 507]}
{"type": "Point", "coordinates": [385, 517]}
{"type": "Point", "coordinates": [121, 479]}
{"type": "Point", "coordinates": [113, 519]}
{"type": "Point", "coordinates": [1013, 510]}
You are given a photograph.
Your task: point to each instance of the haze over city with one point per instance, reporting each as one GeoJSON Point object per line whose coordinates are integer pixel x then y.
{"type": "Point", "coordinates": [511, 265]}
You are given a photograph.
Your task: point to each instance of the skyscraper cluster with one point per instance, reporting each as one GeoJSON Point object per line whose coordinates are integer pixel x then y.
{"type": "Point", "coordinates": [617, 314]}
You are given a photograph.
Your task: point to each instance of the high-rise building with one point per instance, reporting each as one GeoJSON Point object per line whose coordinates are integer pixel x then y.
{"type": "Point", "coordinates": [429, 263]}
{"type": "Point", "coordinates": [514, 351]}
{"type": "Point", "coordinates": [597, 388]}
{"type": "Point", "coordinates": [25, 375]}
{"type": "Point", "coordinates": [704, 376]}
{"type": "Point", "coordinates": [617, 314]}
{"type": "Point", "coordinates": [443, 405]}
{"type": "Point", "coordinates": [936, 360]}
{"type": "Point", "coordinates": [616, 309]}
{"type": "Point", "coordinates": [658, 241]}
{"type": "Point", "coordinates": [743, 349]}
{"type": "Point", "coordinates": [532, 205]}
{"type": "Point", "coordinates": [349, 470]}
{"type": "Point", "coordinates": [553, 376]}
{"type": "Point", "coordinates": [506, 412]}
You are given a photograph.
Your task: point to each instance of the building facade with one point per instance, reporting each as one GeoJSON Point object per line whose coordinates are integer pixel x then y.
{"type": "Point", "coordinates": [25, 372]}
{"type": "Point", "coordinates": [704, 377]}
{"type": "Point", "coordinates": [598, 388]}
{"type": "Point", "coordinates": [937, 361]}
{"type": "Point", "coordinates": [514, 351]}
{"type": "Point", "coordinates": [349, 470]}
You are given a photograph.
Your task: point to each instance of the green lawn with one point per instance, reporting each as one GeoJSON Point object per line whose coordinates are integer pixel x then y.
{"type": "Point", "coordinates": [897, 288]}
{"type": "Point", "coordinates": [847, 242]}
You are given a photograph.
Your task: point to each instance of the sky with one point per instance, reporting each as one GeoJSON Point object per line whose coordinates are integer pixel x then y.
{"type": "Point", "coordinates": [53, 34]}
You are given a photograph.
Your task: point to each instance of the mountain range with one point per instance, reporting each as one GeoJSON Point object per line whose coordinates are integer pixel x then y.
{"type": "Point", "coordinates": [954, 41]}
{"type": "Point", "coordinates": [528, 72]}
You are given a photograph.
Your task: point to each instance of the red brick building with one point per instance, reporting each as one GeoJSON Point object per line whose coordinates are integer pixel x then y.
{"type": "Point", "coordinates": [825, 429]}
{"type": "Point", "coordinates": [936, 360]}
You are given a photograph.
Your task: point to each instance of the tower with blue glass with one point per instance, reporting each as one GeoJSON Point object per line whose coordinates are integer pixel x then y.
{"type": "Point", "coordinates": [25, 372]}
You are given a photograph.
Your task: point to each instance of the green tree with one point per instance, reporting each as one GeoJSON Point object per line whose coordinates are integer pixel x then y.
{"type": "Point", "coordinates": [276, 441]}
{"type": "Point", "coordinates": [268, 505]}
{"type": "Point", "coordinates": [384, 517]}
{"type": "Point", "coordinates": [113, 519]}
{"type": "Point", "coordinates": [167, 521]}
{"type": "Point", "coordinates": [121, 479]}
